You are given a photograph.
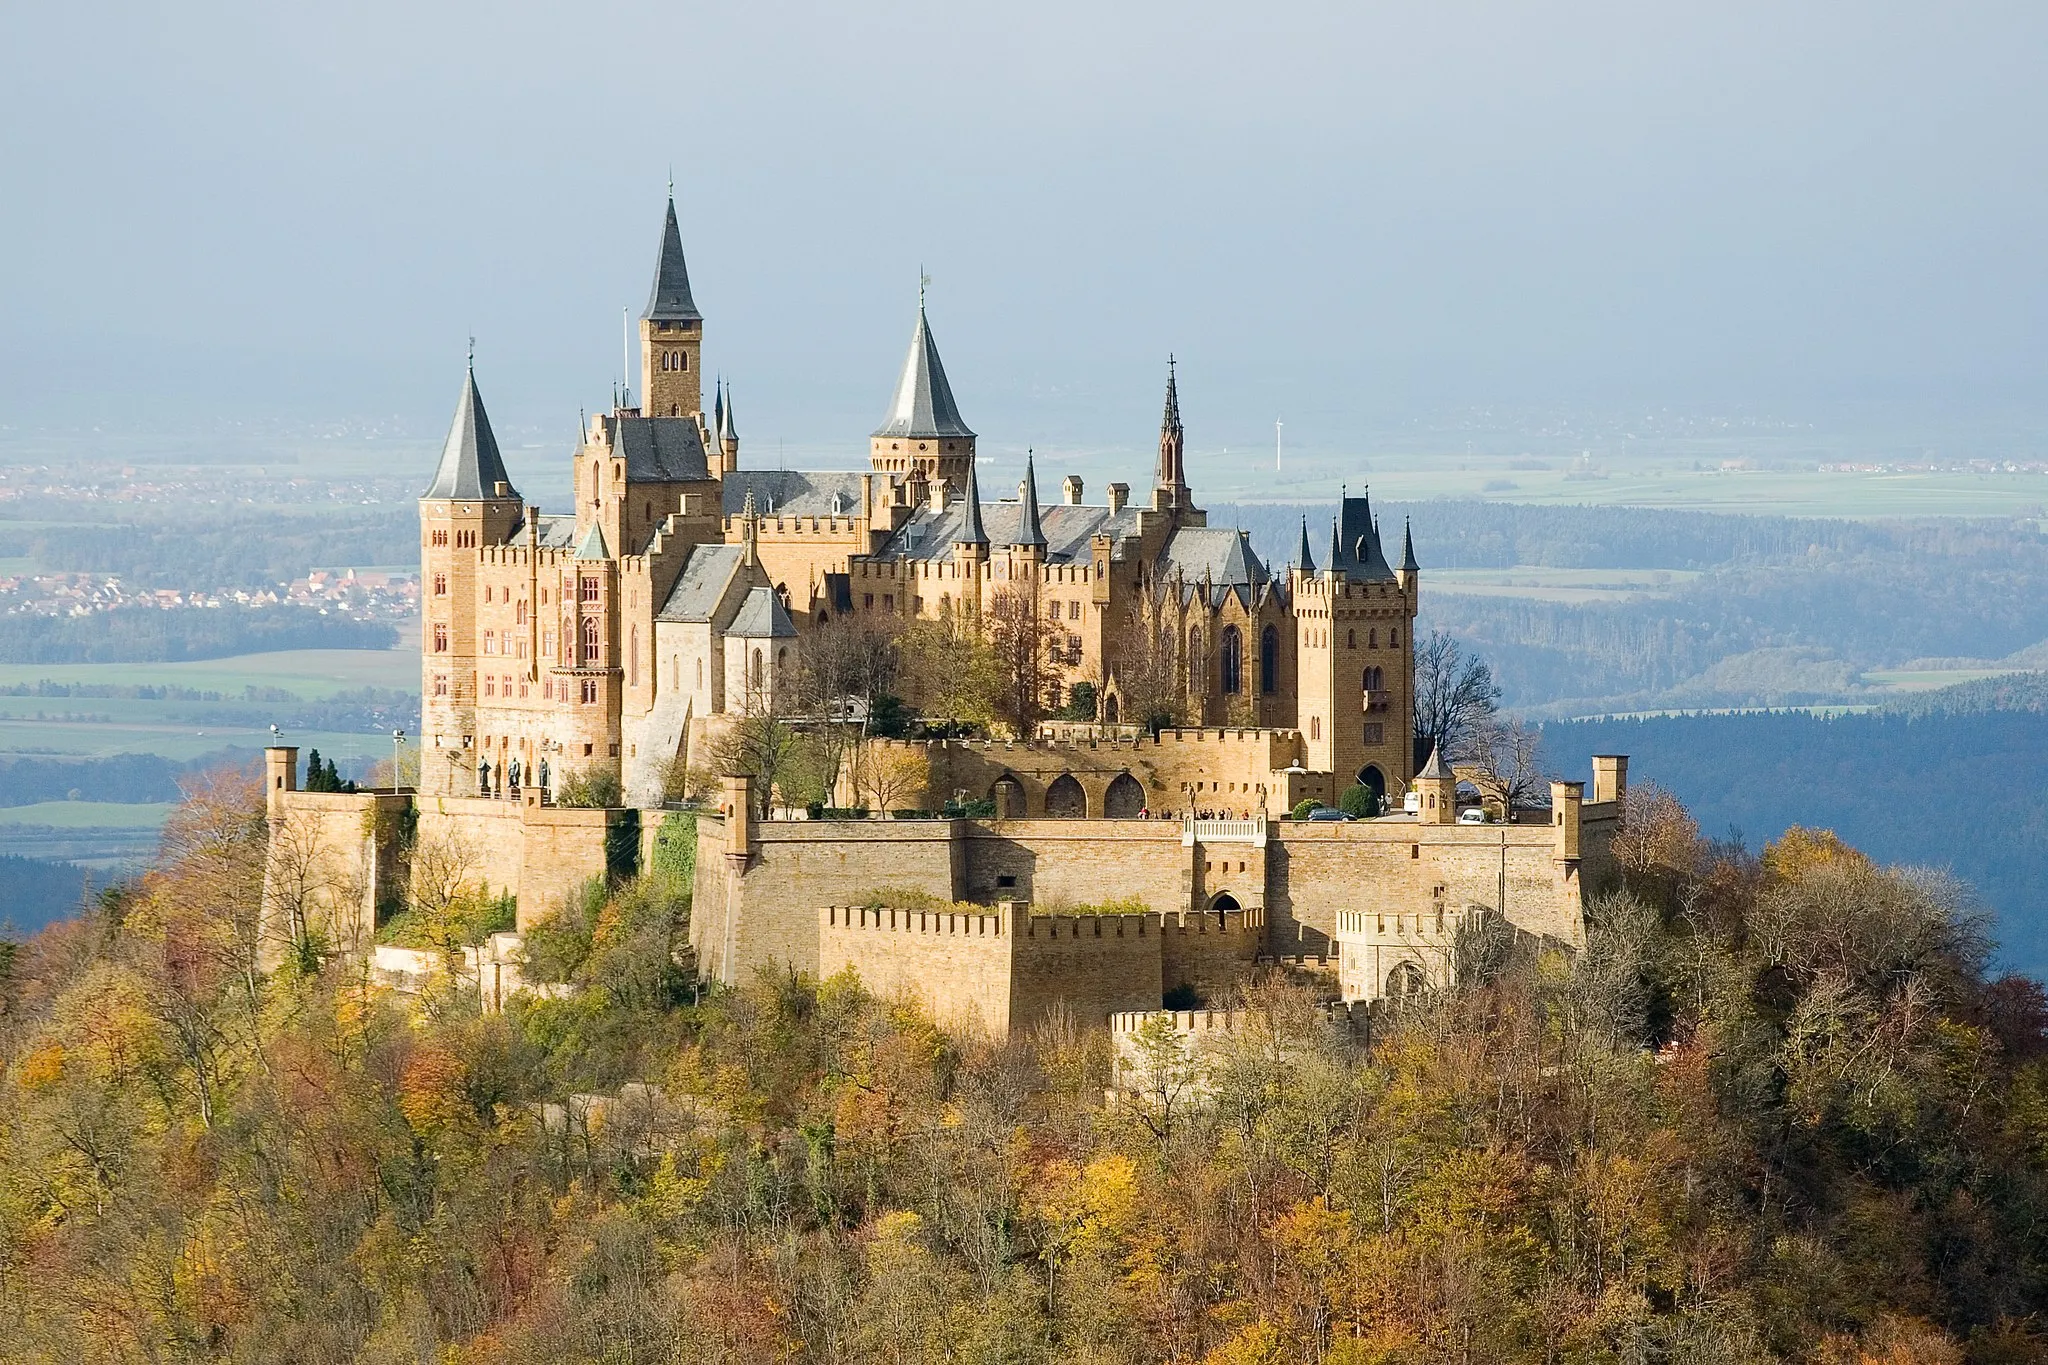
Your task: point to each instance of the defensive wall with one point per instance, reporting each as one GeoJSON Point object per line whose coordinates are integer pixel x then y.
{"type": "Point", "coordinates": [1098, 771]}
{"type": "Point", "coordinates": [764, 888]}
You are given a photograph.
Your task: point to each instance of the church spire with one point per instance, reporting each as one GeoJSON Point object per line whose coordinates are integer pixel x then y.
{"type": "Point", "coordinates": [669, 300]}
{"type": "Point", "coordinates": [1170, 489]}
{"type": "Point", "coordinates": [1029, 532]}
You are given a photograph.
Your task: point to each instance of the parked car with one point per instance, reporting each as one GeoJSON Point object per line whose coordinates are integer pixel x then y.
{"type": "Point", "coordinates": [1412, 803]}
{"type": "Point", "coordinates": [1473, 815]}
{"type": "Point", "coordinates": [1327, 813]}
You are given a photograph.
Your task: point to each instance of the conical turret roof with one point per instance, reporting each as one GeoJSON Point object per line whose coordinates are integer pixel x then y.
{"type": "Point", "coordinates": [728, 429]}
{"type": "Point", "coordinates": [1029, 529]}
{"type": "Point", "coordinates": [470, 464]}
{"type": "Point", "coordinates": [1302, 558]}
{"type": "Point", "coordinates": [669, 300]}
{"type": "Point", "coordinates": [593, 546]}
{"type": "Point", "coordinates": [923, 408]}
{"type": "Point", "coordinates": [1408, 564]}
{"type": "Point", "coordinates": [1434, 769]}
{"type": "Point", "coordinates": [971, 532]}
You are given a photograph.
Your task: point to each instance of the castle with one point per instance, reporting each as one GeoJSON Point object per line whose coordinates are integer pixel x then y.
{"type": "Point", "coordinates": [682, 587]}
{"type": "Point", "coordinates": [679, 597]}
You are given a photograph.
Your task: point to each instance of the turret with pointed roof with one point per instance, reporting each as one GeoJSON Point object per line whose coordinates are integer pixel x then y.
{"type": "Point", "coordinates": [923, 432]}
{"type": "Point", "coordinates": [1303, 560]}
{"type": "Point", "coordinates": [1030, 530]}
{"type": "Point", "coordinates": [470, 464]}
{"type": "Point", "coordinates": [971, 532]}
{"type": "Point", "coordinates": [727, 434]}
{"type": "Point", "coordinates": [671, 332]}
{"type": "Point", "coordinates": [1408, 564]}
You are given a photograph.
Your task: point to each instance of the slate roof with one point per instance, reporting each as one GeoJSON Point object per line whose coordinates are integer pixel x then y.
{"type": "Point", "coordinates": [762, 617]}
{"type": "Point", "coordinates": [593, 546]}
{"type": "Point", "coordinates": [1408, 564]}
{"type": "Point", "coordinates": [702, 581]}
{"type": "Point", "coordinates": [669, 300]}
{"type": "Point", "coordinates": [470, 464]}
{"type": "Point", "coordinates": [557, 531]}
{"type": "Point", "coordinates": [1356, 542]}
{"type": "Point", "coordinates": [1215, 553]}
{"type": "Point", "coordinates": [1435, 767]}
{"type": "Point", "coordinates": [793, 492]}
{"type": "Point", "coordinates": [1067, 528]}
{"type": "Point", "coordinates": [971, 531]}
{"type": "Point", "coordinates": [658, 449]}
{"type": "Point", "coordinates": [923, 408]}
{"type": "Point", "coordinates": [1302, 558]}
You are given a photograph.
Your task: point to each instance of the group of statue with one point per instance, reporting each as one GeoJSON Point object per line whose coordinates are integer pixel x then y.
{"type": "Point", "coordinates": [507, 776]}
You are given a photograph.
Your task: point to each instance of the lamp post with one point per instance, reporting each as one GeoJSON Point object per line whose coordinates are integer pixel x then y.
{"type": "Point", "coordinates": [397, 769]}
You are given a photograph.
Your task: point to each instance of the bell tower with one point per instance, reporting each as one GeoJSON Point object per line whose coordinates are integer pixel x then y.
{"type": "Point", "coordinates": [671, 333]}
{"type": "Point", "coordinates": [924, 435]}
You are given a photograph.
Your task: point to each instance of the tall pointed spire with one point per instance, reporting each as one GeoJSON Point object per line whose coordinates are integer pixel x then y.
{"type": "Point", "coordinates": [470, 464]}
{"type": "Point", "coordinates": [728, 429]}
{"type": "Point", "coordinates": [971, 532]}
{"type": "Point", "coordinates": [923, 407]}
{"type": "Point", "coordinates": [1171, 484]}
{"type": "Point", "coordinates": [1336, 562]}
{"type": "Point", "coordinates": [1029, 531]}
{"type": "Point", "coordinates": [1408, 564]}
{"type": "Point", "coordinates": [1303, 559]}
{"type": "Point", "coordinates": [669, 300]}
{"type": "Point", "coordinates": [717, 406]}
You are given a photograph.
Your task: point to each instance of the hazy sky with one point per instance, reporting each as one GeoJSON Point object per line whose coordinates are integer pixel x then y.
{"type": "Point", "coordinates": [1339, 213]}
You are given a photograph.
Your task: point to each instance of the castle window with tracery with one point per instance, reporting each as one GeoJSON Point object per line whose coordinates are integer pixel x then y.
{"type": "Point", "coordinates": [1233, 661]}
{"type": "Point", "coordinates": [590, 640]}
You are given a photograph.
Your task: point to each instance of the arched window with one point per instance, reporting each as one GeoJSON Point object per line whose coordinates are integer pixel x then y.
{"type": "Point", "coordinates": [1195, 659]}
{"type": "Point", "coordinates": [1233, 661]}
{"type": "Point", "coordinates": [589, 639]}
{"type": "Point", "coordinates": [700, 670]}
{"type": "Point", "coordinates": [754, 676]}
{"type": "Point", "coordinates": [675, 672]}
{"type": "Point", "coordinates": [1350, 639]}
{"type": "Point", "coordinates": [633, 658]}
{"type": "Point", "coordinates": [1393, 639]}
{"type": "Point", "coordinates": [1372, 639]}
{"type": "Point", "coordinates": [1375, 681]}
{"type": "Point", "coordinates": [1269, 660]}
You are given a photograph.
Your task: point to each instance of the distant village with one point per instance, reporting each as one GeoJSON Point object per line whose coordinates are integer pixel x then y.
{"type": "Point", "coordinates": [359, 595]}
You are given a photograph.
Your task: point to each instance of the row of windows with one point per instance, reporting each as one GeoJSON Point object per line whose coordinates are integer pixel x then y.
{"type": "Point", "coordinates": [675, 360]}
{"type": "Point", "coordinates": [1073, 611]}
{"type": "Point", "coordinates": [513, 644]}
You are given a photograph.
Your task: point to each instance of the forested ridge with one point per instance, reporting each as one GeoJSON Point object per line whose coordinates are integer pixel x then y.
{"type": "Point", "coordinates": [1775, 1111]}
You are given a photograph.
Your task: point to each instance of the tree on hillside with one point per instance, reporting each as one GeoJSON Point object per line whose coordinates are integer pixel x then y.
{"type": "Point", "coordinates": [1454, 695]}
{"type": "Point", "coordinates": [1024, 642]}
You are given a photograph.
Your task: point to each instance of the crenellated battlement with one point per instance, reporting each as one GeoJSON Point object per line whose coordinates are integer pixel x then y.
{"type": "Point", "coordinates": [891, 920]}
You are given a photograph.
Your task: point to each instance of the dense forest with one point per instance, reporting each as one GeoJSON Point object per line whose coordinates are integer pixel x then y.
{"type": "Point", "coordinates": [151, 635]}
{"type": "Point", "coordinates": [229, 548]}
{"type": "Point", "coordinates": [1776, 1110]}
{"type": "Point", "coordinates": [1788, 611]}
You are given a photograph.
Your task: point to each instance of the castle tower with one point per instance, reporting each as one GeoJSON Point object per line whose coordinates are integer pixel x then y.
{"type": "Point", "coordinates": [1027, 551]}
{"type": "Point", "coordinates": [469, 506]}
{"type": "Point", "coordinates": [1170, 485]}
{"type": "Point", "coordinates": [728, 433]}
{"type": "Point", "coordinates": [1438, 788]}
{"type": "Point", "coordinates": [970, 547]}
{"type": "Point", "coordinates": [924, 434]}
{"type": "Point", "coordinates": [671, 333]}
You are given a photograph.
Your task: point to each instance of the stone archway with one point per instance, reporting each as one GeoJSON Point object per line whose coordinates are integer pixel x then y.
{"type": "Point", "coordinates": [1109, 709]}
{"type": "Point", "coordinates": [1064, 799]}
{"type": "Point", "coordinates": [1008, 794]}
{"type": "Point", "coordinates": [1373, 780]}
{"type": "Point", "coordinates": [1405, 981]}
{"type": "Point", "coordinates": [1224, 904]}
{"type": "Point", "coordinates": [1124, 799]}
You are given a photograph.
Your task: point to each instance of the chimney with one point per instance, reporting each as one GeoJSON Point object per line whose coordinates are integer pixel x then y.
{"type": "Point", "coordinates": [1119, 494]}
{"type": "Point", "coordinates": [938, 496]}
{"type": "Point", "coordinates": [1070, 488]}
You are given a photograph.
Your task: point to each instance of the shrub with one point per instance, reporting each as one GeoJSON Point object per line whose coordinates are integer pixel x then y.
{"type": "Point", "coordinates": [1306, 804]}
{"type": "Point", "coordinates": [1359, 802]}
{"type": "Point", "coordinates": [595, 787]}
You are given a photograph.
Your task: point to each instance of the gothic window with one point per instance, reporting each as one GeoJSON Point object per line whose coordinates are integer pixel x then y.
{"type": "Point", "coordinates": [1195, 657]}
{"type": "Point", "coordinates": [590, 640]}
{"type": "Point", "coordinates": [1269, 660]}
{"type": "Point", "coordinates": [675, 672]}
{"type": "Point", "coordinates": [1315, 727]}
{"type": "Point", "coordinates": [754, 674]}
{"type": "Point", "coordinates": [1233, 661]}
{"type": "Point", "coordinates": [1393, 639]}
{"type": "Point", "coordinates": [490, 685]}
{"type": "Point", "coordinates": [1375, 681]}
{"type": "Point", "coordinates": [590, 691]}
{"type": "Point", "coordinates": [547, 689]}
{"type": "Point", "coordinates": [633, 658]}
{"type": "Point", "coordinates": [440, 585]}
{"type": "Point", "coordinates": [440, 637]}
{"type": "Point", "coordinates": [440, 684]}
{"type": "Point", "coordinates": [590, 589]}
{"type": "Point", "coordinates": [1372, 639]}
{"type": "Point", "coordinates": [490, 642]}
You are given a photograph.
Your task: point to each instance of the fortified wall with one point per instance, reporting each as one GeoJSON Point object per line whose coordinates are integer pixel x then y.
{"type": "Point", "coordinates": [1375, 890]}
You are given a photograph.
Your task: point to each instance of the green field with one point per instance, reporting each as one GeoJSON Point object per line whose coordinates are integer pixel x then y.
{"type": "Point", "coordinates": [311, 673]}
{"type": "Point", "coordinates": [1560, 585]}
{"type": "Point", "coordinates": [1927, 679]}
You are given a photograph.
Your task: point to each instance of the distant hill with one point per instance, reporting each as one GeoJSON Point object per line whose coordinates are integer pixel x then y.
{"type": "Point", "coordinates": [1955, 778]}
